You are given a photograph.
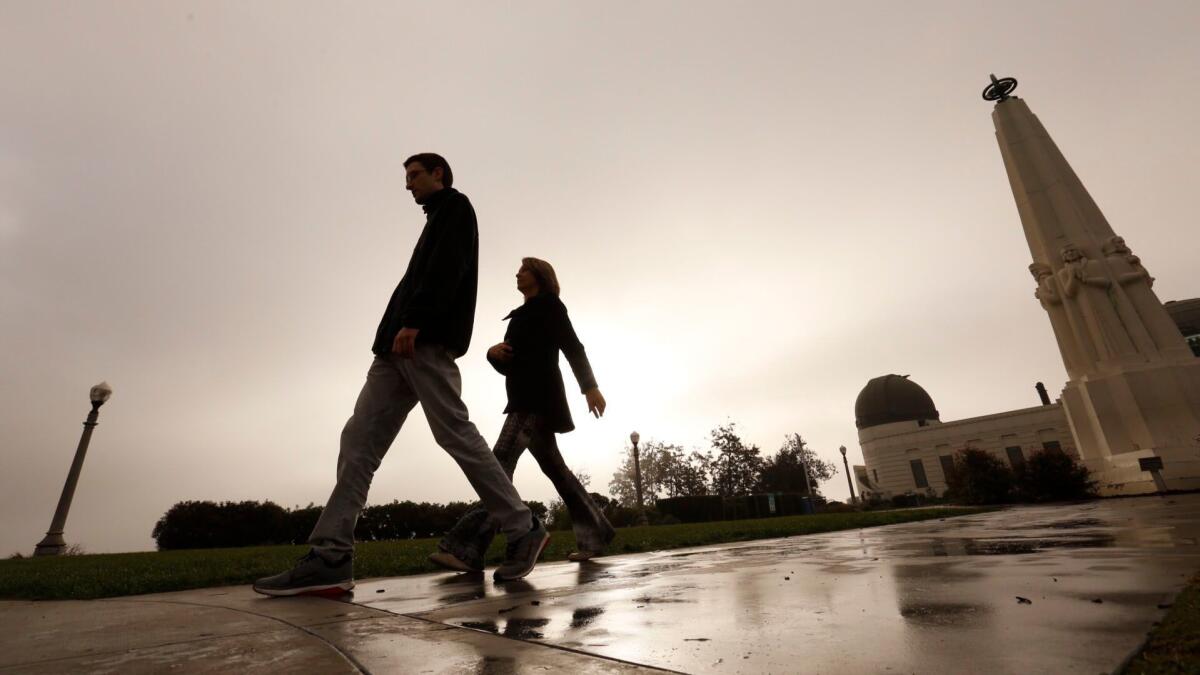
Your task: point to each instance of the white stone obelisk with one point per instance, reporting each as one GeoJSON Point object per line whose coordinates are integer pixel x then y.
{"type": "Point", "coordinates": [1133, 394]}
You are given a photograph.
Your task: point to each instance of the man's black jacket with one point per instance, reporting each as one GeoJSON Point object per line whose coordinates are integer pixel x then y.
{"type": "Point", "coordinates": [537, 331]}
{"type": "Point", "coordinates": [437, 293]}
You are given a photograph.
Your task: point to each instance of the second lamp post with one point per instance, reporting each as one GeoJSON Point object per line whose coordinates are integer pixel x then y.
{"type": "Point", "coordinates": [637, 468]}
{"type": "Point", "coordinates": [846, 463]}
{"type": "Point", "coordinates": [637, 478]}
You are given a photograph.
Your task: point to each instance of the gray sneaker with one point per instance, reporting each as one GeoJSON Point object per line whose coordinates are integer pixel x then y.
{"type": "Point", "coordinates": [312, 574]}
{"type": "Point", "coordinates": [522, 554]}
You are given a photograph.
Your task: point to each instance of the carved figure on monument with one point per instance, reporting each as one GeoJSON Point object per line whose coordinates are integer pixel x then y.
{"type": "Point", "coordinates": [1076, 355]}
{"type": "Point", "coordinates": [1136, 286]}
{"type": "Point", "coordinates": [1086, 282]}
{"type": "Point", "coordinates": [1125, 265]}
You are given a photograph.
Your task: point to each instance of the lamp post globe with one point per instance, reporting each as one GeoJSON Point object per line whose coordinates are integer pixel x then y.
{"type": "Point", "coordinates": [53, 543]}
{"type": "Point", "coordinates": [100, 393]}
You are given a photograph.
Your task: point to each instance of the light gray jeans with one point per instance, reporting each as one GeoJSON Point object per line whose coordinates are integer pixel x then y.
{"type": "Point", "coordinates": [394, 386]}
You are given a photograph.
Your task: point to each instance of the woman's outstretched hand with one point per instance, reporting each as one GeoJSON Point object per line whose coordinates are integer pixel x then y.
{"type": "Point", "coordinates": [500, 353]}
{"type": "Point", "coordinates": [595, 401]}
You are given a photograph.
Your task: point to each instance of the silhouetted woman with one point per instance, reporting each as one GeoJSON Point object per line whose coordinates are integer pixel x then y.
{"type": "Point", "coordinates": [537, 410]}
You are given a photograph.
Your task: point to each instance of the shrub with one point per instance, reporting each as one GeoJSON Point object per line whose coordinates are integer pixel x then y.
{"type": "Point", "coordinates": [692, 509]}
{"type": "Point", "coordinates": [618, 516]}
{"type": "Point", "coordinates": [412, 520]}
{"type": "Point", "coordinates": [196, 524]}
{"type": "Point", "coordinates": [1053, 475]}
{"type": "Point", "coordinates": [979, 477]}
{"type": "Point", "coordinates": [301, 522]}
{"type": "Point", "coordinates": [558, 518]}
{"type": "Point", "coordinates": [407, 520]}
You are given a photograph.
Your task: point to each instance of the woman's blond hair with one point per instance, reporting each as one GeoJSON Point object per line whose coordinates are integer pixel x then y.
{"type": "Point", "coordinates": [543, 272]}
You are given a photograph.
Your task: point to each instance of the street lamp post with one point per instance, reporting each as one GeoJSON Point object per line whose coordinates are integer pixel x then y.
{"type": "Point", "coordinates": [846, 463]}
{"type": "Point", "coordinates": [807, 481]}
{"type": "Point", "coordinates": [637, 468]}
{"type": "Point", "coordinates": [53, 543]}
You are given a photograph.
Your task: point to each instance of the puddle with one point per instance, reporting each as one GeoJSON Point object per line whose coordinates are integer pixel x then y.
{"type": "Point", "coordinates": [1073, 524]}
{"type": "Point", "coordinates": [690, 554]}
{"type": "Point", "coordinates": [497, 665]}
{"type": "Point", "coordinates": [845, 569]}
{"type": "Point", "coordinates": [584, 616]}
{"type": "Point", "coordinates": [1128, 598]}
{"type": "Point", "coordinates": [1077, 524]}
{"type": "Point", "coordinates": [1024, 546]}
{"type": "Point", "coordinates": [520, 629]}
{"type": "Point", "coordinates": [456, 598]}
{"type": "Point", "coordinates": [748, 550]}
{"type": "Point", "coordinates": [940, 614]}
{"type": "Point", "coordinates": [525, 629]}
{"type": "Point", "coordinates": [660, 568]}
{"type": "Point", "coordinates": [646, 600]}
{"type": "Point", "coordinates": [944, 572]}
{"type": "Point", "coordinates": [591, 573]}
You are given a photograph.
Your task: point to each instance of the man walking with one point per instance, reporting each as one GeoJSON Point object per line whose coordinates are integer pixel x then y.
{"type": "Point", "coordinates": [427, 325]}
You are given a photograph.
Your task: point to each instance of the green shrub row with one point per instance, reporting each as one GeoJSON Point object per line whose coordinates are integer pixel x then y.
{"type": "Point", "coordinates": [206, 524]}
{"type": "Point", "coordinates": [979, 477]}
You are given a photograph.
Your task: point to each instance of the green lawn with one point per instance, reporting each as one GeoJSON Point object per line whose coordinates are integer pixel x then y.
{"type": "Point", "coordinates": [1174, 646]}
{"type": "Point", "coordinates": [109, 575]}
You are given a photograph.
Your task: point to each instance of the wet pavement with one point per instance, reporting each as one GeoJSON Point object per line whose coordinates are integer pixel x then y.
{"type": "Point", "coordinates": [1053, 589]}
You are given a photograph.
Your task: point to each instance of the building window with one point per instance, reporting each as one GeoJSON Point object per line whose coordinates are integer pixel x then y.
{"type": "Point", "coordinates": [918, 470]}
{"type": "Point", "coordinates": [1015, 457]}
{"type": "Point", "coordinates": [947, 465]}
{"type": "Point", "coordinates": [1051, 446]}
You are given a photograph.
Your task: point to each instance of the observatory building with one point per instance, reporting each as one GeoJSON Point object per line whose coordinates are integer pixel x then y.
{"type": "Point", "coordinates": [908, 449]}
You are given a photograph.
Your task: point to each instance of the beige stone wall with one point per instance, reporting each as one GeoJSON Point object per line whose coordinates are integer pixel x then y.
{"type": "Point", "coordinates": [888, 449]}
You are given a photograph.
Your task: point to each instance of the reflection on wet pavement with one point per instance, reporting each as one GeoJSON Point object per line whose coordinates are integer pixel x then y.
{"type": "Point", "coordinates": [910, 598]}
{"type": "Point", "coordinates": [940, 614]}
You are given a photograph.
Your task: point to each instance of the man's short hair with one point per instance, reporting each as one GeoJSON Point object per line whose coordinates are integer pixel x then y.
{"type": "Point", "coordinates": [431, 161]}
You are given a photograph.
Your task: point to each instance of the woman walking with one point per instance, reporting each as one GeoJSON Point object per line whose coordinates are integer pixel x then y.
{"type": "Point", "coordinates": [537, 410]}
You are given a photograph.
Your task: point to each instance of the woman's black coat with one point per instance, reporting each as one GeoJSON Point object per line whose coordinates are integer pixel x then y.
{"type": "Point", "coordinates": [537, 331]}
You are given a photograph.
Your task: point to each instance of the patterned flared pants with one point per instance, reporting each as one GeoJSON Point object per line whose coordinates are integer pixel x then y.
{"type": "Point", "coordinates": [469, 539]}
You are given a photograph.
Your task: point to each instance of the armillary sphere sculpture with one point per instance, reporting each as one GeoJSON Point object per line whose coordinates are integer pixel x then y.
{"type": "Point", "coordinates": [999, 89]}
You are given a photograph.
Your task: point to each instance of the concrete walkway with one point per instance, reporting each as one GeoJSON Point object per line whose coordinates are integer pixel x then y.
{"type": "Point", "coordinates": [1055, 589]}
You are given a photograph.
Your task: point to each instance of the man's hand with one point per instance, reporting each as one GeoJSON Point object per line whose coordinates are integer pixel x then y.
{"type": "Point", "coordinates": [595, 401]}
{"type": "Point", "coordinates": [500, 353]}
{"type": "Point", "coordinates": [405, 343]}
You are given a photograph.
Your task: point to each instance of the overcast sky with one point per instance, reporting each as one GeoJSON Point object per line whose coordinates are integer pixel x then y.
{"type": "Point", "coordinates": [753, 208]}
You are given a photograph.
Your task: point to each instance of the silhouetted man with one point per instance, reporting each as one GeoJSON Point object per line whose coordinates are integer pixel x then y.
{"type": "Point", "coordinates": [427, 325]}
